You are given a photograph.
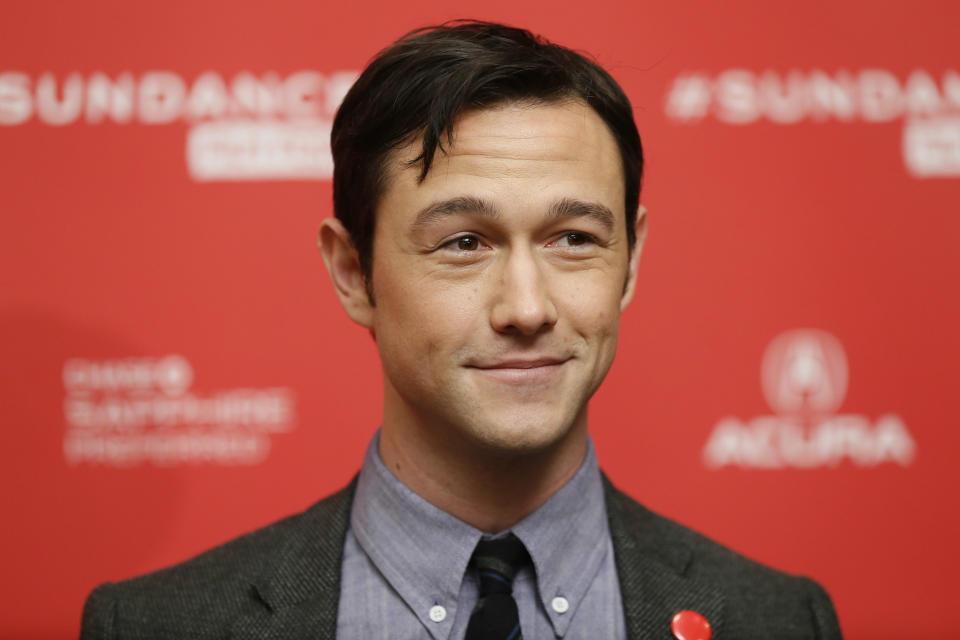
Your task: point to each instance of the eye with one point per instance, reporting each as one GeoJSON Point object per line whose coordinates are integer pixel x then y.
{"type": "Point", "coordinates": [575, 239]}
{"type": "Point", "coordinates": [466, 243]}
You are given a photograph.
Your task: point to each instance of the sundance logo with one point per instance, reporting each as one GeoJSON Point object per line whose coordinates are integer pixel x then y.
{"type": "Point", "coordinates": [804, 380]}
{"type": "Point", "coordinates": [929, 106]}
{"type": "Point", "coordinates": [128, 411]}
{"type": "Point", "coordinates": [247, 127]}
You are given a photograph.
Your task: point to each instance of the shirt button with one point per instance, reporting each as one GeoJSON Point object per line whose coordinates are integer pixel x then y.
{"type": "Point", "coordinates": [560, 604]}
{"type": "Point", "coordinates": [437, 613]}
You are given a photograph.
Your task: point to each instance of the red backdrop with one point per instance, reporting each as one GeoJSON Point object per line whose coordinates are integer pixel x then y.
{"type": "Point", "coordinates": [176, 369]}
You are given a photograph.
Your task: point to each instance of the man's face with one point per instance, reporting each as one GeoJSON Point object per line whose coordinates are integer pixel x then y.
{"type": "Point", "coordinates": [499, 280]}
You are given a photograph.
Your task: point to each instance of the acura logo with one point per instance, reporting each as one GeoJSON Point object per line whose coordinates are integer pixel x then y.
{"type": "Point", "coordinates": [804, 372]}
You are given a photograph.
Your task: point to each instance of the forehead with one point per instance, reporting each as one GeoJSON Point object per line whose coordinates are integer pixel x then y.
{"type": "Point", "coordinates": [557, 149]}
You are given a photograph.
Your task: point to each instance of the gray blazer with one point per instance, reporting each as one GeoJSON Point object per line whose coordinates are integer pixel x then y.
{"type": "Point", "coordinates": [283, 582]}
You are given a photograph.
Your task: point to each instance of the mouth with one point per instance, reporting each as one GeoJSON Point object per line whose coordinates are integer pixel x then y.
{"type": "Point", "coordinates": [522, 370]}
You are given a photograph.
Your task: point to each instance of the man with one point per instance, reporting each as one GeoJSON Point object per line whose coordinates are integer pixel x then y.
{"type": "Point", "coordinates": [487, 233]}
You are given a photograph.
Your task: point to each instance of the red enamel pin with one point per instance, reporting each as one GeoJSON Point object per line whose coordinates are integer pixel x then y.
{"type": "Point", "coordinates": [690, 625]}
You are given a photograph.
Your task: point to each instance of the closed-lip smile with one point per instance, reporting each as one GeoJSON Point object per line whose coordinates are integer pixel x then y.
{"type": "Point", "coordinates": [524, 372]}
{"type": "Point", "coordinates": [521, 363]}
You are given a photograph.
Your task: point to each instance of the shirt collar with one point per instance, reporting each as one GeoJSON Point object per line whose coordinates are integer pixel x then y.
{"type": "Point", "coordinates": [567, 538]}
{"type": "Point", "coordinates": [423, 552]}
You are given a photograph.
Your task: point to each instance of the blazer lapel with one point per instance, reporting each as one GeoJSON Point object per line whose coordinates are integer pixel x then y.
{"type": "Point", "coordinates": [298, 592]}
{"type": "Point", "coordinates": [651, 569]}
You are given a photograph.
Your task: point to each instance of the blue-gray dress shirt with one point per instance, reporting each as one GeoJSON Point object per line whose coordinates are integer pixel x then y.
{"type": "Point", "coordinates": [405, 572]}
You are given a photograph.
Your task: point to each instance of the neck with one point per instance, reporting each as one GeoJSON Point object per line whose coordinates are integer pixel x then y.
{"type": "Point", "coordinates": [491, 490]}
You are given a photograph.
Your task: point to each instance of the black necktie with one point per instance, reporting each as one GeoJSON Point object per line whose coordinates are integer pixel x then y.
{"type": "Point", "coordinates": [495, 617]}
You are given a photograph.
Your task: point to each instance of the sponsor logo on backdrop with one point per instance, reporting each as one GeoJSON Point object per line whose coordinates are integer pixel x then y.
{"type": "Point", "coordinates": [247, 127]}
{"type": "Point", "coordinates": [804, 379]}
{"type": "Point", "coordinates": [927, 104]}
{"type": "Point", "coordinates": [130, 411]}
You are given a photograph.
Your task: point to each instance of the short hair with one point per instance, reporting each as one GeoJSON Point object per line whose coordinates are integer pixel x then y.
{"type": "Point", "coordinates": [421, 83]}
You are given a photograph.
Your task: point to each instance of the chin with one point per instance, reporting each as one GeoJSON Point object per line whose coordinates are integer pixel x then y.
{"type": "Point", "coordinates": [522, 434]}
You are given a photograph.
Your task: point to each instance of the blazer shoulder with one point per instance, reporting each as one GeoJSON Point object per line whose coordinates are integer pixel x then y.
{"type": "Point", "coordinates": [683, 548]}
{"type": "Point", "coordinates": [752, 590]}
{"type": "Point", "coordinates": [215, 586]}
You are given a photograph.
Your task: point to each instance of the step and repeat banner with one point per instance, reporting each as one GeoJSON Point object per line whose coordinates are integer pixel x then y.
{"type": "Point", "coordinates": [177, 370]}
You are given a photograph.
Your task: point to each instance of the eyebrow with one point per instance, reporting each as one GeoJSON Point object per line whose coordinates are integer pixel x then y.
{"type": "Point", "coordinates": [462, 204]}
{"type": "Point", "coordinates": [570, 207]}
{"type": "Point", "coordinates": [563, 208]}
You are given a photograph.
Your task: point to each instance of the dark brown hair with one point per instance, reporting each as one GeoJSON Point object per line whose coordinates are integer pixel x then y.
{"type": "Point", "coordinates": [423, 81]}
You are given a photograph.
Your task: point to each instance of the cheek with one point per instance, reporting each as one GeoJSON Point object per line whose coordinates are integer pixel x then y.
{"type": "Point", "coordinates": [599, 326]}
{"type": "Point", "coordinates": [593, 305]}
{"type": "Point", "coordinates": [424, 317]}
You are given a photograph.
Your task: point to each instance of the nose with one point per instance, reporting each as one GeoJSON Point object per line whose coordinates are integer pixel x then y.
{"type": "Point", "coordinates": [522, 304]}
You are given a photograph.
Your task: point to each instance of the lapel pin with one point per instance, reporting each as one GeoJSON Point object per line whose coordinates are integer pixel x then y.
{"type": "Point", "coordinates": [690, 625]}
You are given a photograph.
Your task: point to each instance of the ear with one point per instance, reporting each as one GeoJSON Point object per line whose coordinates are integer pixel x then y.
{"type": "Point", "coordinates": [343, 265]}
{"type": "Point", "coordinates": [641, 231]}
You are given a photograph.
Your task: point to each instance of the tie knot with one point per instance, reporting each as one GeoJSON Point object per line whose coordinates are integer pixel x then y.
{"type": "Point", "coordinates": [497, 562]}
